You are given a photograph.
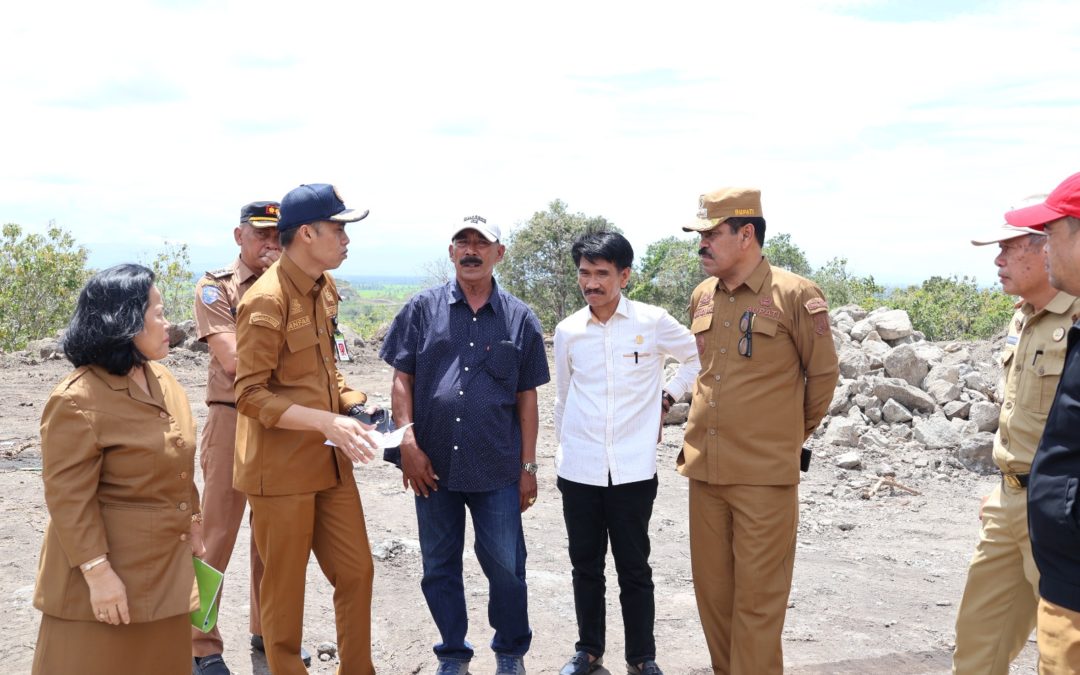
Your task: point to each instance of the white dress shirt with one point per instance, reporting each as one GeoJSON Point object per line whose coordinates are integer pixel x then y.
{"type": "Point", "coordinates": [610, 378]}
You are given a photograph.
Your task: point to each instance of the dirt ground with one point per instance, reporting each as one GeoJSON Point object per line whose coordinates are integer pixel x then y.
{"type": "Point", "coordinates": [877, 581]}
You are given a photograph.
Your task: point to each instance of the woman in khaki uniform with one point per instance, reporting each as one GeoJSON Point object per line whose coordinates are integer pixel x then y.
{"type": "Point", "coordinates": [118, 446]}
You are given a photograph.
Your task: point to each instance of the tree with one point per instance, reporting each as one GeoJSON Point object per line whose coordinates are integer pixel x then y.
{"type": "Point", "coordinates": [781, 252]}
{"type": "Point", "coordinates": [841, 287]}
{"type": "Point", "coordinates": [175, 281]}
{"type": "Point", "coordinates": [42, 276]}
{"type": "Point", "coordinates": [953, 308]}
{"type": "Point", "coordinates": [538, 268]}
{"type": "Point", "coordinates": [437, 271]}
{"type": "Point", "coordinates": [667, 274]}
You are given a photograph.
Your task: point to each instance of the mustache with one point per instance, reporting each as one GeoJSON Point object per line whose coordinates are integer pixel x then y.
{"type": "Point", "coordinates": [594, 292]}
{"type": "Point", "coordinates": [704, 253]}
{"type": "Point", "coordinates": [471, 260]}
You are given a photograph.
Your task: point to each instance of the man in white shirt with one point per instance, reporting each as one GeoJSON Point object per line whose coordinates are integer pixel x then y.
{"type": "Point", "coordinates": [609, 370]}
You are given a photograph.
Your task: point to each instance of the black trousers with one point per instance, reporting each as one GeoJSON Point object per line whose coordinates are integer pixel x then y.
{"type": "Point", "coordinates": [593, 515]}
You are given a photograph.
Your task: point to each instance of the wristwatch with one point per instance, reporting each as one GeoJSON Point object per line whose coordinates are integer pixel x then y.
{"type": "Point", "coordinates": [530, 468]}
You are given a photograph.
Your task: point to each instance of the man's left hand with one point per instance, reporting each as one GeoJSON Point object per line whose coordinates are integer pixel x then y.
{"type": "Point", "coordinates": [527, 487]}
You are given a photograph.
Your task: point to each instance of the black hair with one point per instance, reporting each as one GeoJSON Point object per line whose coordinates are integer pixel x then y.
{"type": "Point", "coordinates": [285, 237]}
{"type": "Point", "coordinates": [737, 223]}
{"type": "Point", "coordinates": [108, 316]}
{"type": "Point", "coordinates": [609, 246]}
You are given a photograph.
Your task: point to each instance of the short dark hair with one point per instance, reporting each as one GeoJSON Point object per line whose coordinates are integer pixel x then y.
{"type": "Point", "coordinates": [759, 227]}
{"type": "Point", "coordinates": [285, 237]}
{"type": "Point", "coordinates": [610, 246]}
{"type": "Point", "coordinates": [108, 316]}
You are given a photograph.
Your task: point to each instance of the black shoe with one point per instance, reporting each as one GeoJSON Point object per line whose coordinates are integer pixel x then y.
{"type": "Point", "coordinates": [647, 668]}
{"type": "Point", "coordinates": [257, 645]}
{"type": "Point", "coordinates": [209, 665]}
{"type": "Point", "coordinates": [579, 664]}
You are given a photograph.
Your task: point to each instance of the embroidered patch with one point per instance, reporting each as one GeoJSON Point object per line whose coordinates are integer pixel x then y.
{"type": "Point", "coordinates": [703, 309]}
{"type": "Point", "coordinates": [1013, 339]}
{"type": "Point", "coordinates": [766, 301]}
{"type": "Point", "coordinates": [700, 339]}
{"type": "Point", "coordinates": [260, 319]}
{"type": "Point", "coordinates": [817, 305]}
{"type": "Point", "coordinates": [297, 324]}
{"type": "Point", "coordinates": [821, 323]}
{"type": "Point", "coordinates": [331, 310]}
{"type": "Point", "coordinates": [328, 296]}
{"type": "Point", "coordinates": [770, 312]}
{"type": "Point", "coordinates": [295, 306]}
{"type": "Point", "coordinates": [210, 295]}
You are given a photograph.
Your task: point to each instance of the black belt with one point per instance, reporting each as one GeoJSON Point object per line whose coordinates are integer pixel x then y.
{"type": "Point", "coordinates": [231, 405]}
{"type": "Point", "coordinates": [1018, 481]}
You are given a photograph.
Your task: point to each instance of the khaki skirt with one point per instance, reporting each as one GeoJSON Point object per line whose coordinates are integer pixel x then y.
{"type": "Point", "coordinates": [161, 647]}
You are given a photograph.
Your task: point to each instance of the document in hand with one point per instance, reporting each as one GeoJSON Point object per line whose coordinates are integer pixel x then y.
{"type": "Point", "coordinates": [390, 440]}
{"type": "Point", "coordinates": [209, 581]}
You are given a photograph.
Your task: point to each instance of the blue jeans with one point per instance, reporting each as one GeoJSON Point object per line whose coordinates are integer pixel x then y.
{"type": "Point", "coordinates": [500, 549]}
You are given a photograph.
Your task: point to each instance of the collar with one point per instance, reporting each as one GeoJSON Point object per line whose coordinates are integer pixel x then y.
{"type": "Point", "coordinates": [754, 282]}
{"type": "Point", "coordinates": [455, 295]}
{"type": "Point", "coordinates": [243, 272]}
{"type": "Point", "coordinates": [623, 310]}
{"type": "Point", "coordinates": [1061, 304]}
{"type": "Point", "coordinates": [123, 382]}
{"type": "Point", "coordinates": [297, 276]}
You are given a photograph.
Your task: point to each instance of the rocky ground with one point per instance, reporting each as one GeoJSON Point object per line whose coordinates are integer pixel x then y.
{"type": "Point", "coordinates": [883, 544]}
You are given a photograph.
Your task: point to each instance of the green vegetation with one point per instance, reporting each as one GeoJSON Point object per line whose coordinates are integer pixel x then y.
{"type": "Point", "coordinates": [666, 275]}
{"type": "Point", "coordinates": [175, 281]}
{"type": "Point", "coordinates": [42, 276]}
{"type": "Point", "coordinates": [368, 308]}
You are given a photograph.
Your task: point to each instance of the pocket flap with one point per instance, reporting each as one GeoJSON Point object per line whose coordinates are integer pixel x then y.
{"type": "Point", "coordinates": [299, 340]}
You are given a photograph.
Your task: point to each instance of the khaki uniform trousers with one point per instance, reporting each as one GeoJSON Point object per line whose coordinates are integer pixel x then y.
{"type": "Point", "coordinates": [997, 612]}
{"type": "Point", "coordinates": [742, 553]}
{"type": "Point", "coordinates": [287, 529]}
{"type": "Point", "coordinates": [223, 509]}
{"type": "Point", "coordinates": [1059, 640]}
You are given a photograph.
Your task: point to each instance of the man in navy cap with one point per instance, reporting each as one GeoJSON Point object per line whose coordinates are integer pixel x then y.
{"type": "Point", "coordinates": [289, 395]}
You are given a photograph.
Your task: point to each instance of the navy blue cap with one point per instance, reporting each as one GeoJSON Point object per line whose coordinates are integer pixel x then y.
{"type": "Point", "coordinates": [311, 203]}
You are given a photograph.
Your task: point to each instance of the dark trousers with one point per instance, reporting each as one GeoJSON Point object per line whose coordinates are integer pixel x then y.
{"type": "Point", "coordinates": [594, 514]}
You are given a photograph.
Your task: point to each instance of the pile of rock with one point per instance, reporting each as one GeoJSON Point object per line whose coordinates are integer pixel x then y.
{"type": "Point", "coordinates": [899, 394]}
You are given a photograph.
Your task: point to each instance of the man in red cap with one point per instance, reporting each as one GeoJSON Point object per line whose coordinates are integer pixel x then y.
{"type": "Point", "coordinates": [1000, 600]}
{"type": "Point", "coordinates": [1053, 511]}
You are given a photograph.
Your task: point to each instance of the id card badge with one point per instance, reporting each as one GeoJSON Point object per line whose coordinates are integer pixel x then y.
{"type": "Point", "coordinates": [341, 348]}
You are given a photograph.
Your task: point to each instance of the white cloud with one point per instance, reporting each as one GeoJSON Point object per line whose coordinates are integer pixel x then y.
{"type": "Point", "coordinates": [890, 143]}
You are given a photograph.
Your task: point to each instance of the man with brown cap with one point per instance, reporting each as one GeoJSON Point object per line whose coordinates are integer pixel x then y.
{"type": "Point", "coordinates": [290, 396]}
{"type": "Point", "coordinates": [217, 294]}
{"type": "Point", "coordinates": [768, 370]}
{"type": "Point", "coordinates": [997, 613]}
{"type": "Point", "coordinates": [1053, 512]}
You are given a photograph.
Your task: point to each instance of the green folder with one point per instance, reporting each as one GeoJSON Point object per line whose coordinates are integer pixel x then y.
{"type": "Point", "coordinates": [209, 581]}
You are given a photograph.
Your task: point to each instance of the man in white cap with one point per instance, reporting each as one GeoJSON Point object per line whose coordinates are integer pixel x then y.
{"type": "Point", "coordinates": [997, 613]}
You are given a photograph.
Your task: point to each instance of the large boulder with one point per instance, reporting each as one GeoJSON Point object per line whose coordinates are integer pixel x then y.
{"type": "Point", "coordinates": [903, 393]}
{"type": "Point", "coordinates": [891, 324]}
{"type": "Point", "coordinates": [179, 333]}
{"type": "Point", "coordinates": [985, 415]}
{"type": "Point", "coordinates": [853, 362]}
{"type": "Point", "coordinates": [905, 363]}
{"type": "Point", "coordinates": [893, 412]}
{"type": "Point", "coordinates": [937, 431]}
{"type": "Point", "coordinates": [976, 453]}
{"type": "Point", "coordinates": [842, 431]}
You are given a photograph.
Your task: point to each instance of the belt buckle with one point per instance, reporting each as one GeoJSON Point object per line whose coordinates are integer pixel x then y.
{"type": "Point", "coordinates": [1012, 481]}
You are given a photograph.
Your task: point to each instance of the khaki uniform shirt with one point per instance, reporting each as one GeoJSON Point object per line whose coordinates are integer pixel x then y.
{"type": "Point", "coordinates": [217, 296]}
{"type": "Point", "coordinates": [750, 416]}
{"type": "Point", "coordinates": [118, 467]}
{"type": "Point", "coordinates": [285, 355]}
{"type": "Point", "coordinates": [1032, 361]}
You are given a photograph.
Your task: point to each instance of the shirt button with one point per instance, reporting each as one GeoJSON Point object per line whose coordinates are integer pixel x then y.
{"type": "Point", "coordinates": [723, 350]}
{"type": "Point", "coordinates": [712, 404]}
{"type": "Point", "coordinates": [455, 447]}
{"type": "Point", "coordinates": [457, 419]}
{"type": "Point", "coordinates": [161, 414]}
{"type": "Point", "coordinates": [461, 393]}
{"type": "Point", "coordinates": [474, 318]}
{"type": "Point", "coordinates": [712, 432]}
{"type": "Point", "coordinates": [1019, 367]}
{"type": "Point", "coordinates": [731, 299]}
{"type": "Point", "coordinates": [1004, 440]}
{"type": "Point", "coordinates": [179, 442]}
{"type": "Point", "coordinates": [727, 324]}
{"type": "Point", "coordinates": [183, 537]}
{"type": "Point", "coordinates": [1042, 371]}
{"type": "Point", "coordinates": [470, 344]}
{"type": "Point", "coordinates": [326, 358]}
{"type": "Point", "coordinates": [183, 475]}
{"type": "Point", "coordinates": [466, 369]}
{"type": "Point", "coordinates": [182, 506]}
{"type": "Point", "coordinates": [1008, 405]}
{"type": "Point", "coordinates": [716, 377]}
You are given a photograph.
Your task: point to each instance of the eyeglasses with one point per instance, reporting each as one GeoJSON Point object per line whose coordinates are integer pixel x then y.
{"type": "Point", "coordinates": [746, 342]}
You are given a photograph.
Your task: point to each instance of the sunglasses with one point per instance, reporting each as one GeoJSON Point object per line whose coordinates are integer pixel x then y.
{"type": "Point", "coordinates": [746, 342]}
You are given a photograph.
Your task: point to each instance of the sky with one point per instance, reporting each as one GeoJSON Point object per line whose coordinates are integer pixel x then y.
{"type": "Point", "coordinates": [889, 133]}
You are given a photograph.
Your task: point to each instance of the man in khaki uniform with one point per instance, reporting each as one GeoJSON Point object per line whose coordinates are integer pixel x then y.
{"type": "Point", "coordinates": [768, 370]}
{"type": "Point", "coordinates": [997, 613]}
{"type": "Point", "coordinates": [289, 395]}
{"type": "Point", "coordinates": [217, 295]}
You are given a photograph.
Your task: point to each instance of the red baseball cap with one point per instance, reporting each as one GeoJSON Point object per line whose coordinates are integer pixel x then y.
{"type": "Point", "coordinates": [1063, 201]}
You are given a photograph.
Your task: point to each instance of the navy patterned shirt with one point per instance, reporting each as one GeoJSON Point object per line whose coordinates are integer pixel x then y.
{"type": "Point", "coordinates": [468, 369]}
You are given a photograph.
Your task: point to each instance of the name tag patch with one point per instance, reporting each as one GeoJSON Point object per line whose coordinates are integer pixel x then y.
{"type": "Point", "coordinates": [260, 319]}
{"type": "Point", "coordinates": [297, 324]}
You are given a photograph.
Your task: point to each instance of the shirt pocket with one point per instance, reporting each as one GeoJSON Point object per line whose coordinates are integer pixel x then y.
{"type": "Point", "coordinates": [503, 364]}
{"type": "Point", "coordinates": [1041, 379]}
{"type": "Point", "coordinates": [765, 348]}
{"type": "Point", "coordinates": [302, 358]}
{"type": "Point", "coordinates": [700, 328]}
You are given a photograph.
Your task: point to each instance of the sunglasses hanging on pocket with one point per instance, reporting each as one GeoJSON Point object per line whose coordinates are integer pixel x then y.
{"type": "Point", "coordinates": [746, 326]}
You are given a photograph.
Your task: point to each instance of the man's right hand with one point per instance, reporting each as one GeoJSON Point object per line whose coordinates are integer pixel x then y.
{"type": "Point", "coordinates": [416, 469]}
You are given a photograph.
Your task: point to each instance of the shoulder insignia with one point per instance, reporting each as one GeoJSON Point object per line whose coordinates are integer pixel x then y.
{"type": "Point", "coordinates": [261, 319]}
{"type": "Point", "coordinates": [329, 296]}
{"type": "Point", "coordinates": [221, 273]}
{"type": "Point", "coordinates": [817, 305]}
{"type": "Point", "coordinates": [210, 294]}
{"type": "Point", "coordinates": [821, 323]}
{"type": "Point", "coordinates": [1059, 333]}
{"type": "Point", "coordinates": [295, 306]}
